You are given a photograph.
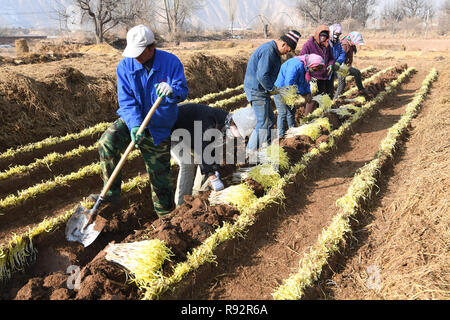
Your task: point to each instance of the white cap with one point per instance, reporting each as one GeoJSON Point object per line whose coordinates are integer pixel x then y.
{"type": "Point", "coordinates": [138, 38]}
{"type": "Point", "coordinates": [245, 120]}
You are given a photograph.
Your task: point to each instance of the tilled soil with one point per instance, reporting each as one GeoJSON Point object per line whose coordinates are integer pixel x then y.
{"type": "Point", "coordinates": [184, 229]}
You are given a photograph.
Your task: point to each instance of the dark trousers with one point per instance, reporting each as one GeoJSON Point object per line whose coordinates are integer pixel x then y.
{"type": "Point", "coordinates": [341, 81]}
{"type": "Point", "coordinates": [326, 87]}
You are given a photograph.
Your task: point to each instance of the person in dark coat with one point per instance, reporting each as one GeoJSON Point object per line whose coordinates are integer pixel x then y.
{"type": "Point", "coordinates": [192, 126]}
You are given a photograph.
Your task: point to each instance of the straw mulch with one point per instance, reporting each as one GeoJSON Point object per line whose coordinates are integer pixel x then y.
{"type": "Point", "coordinates": [406, 253]}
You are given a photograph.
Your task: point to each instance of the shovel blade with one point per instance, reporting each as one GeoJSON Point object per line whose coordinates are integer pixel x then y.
{"type": "Point", "coordinates": [80, 229]}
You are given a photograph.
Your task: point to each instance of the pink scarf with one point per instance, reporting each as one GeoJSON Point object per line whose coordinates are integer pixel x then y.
{"type": "Point", "coordinates": [310, 61]}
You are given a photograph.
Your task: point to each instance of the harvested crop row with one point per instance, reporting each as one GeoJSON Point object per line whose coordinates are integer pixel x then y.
{"type": "Point", "coordinates": [212, 97]}
{"type": "Point", "coordinates": [41, 188]}
{"type": "Point", "coordinates": [310, 267]}
{"type": "Point", "coordinates": [50, 141]}
{"type": "Point", "coordinates": [19, 251]}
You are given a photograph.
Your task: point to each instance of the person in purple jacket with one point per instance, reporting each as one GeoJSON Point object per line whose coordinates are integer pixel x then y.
{"type": "Point", "coordinates": [319, 45]}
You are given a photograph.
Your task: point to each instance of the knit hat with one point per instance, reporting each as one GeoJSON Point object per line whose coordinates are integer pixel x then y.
{"type": "Point", "coordinates": [291, 38]}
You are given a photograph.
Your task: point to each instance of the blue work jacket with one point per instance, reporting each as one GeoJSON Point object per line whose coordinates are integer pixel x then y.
{"type": "Point", "coordinates": [137, 93]}
{"type": "Point", "coordinates": [262, 71]}
{"type": "Point", "coordinates": [338, 51]}
{"type": "Point", "coordinates": [338, 54]}
{"type": "Point", "coordinates": [293, 72]}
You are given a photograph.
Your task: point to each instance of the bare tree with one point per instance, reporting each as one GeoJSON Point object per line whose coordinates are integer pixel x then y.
{"type": "Point", "coordinates": [102, 13]}
{"type": "Point", "coordinates": [392, 14]}
{"type": "Point", "coordinates": [315, 11]}
{"type": "Point", "coordinates": [361, 10]}
{"type": "Point", "coordinates": [231, 12]}
{"type": "Point", "coordinates": [133, 12]}
{"type": "Point", "coordinates": [333, 11]}
{"type": "Point", "coordinates": [105, 15]}
{"type": "Point", "coordinates": [444, 18]}
{"type": "Point", "coordinates": [413, 8]}
{"type": "Point", "coordinates": [174, 13]}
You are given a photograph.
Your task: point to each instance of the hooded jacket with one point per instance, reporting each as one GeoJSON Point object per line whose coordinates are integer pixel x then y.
{"type": "Point", "coordinates": [348, 48]}
{"type": "Point", "coordinates": [323, 50]}
{"type": "Point", "coordinates": [192, 117]}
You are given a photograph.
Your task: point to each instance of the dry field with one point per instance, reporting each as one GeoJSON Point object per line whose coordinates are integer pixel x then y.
{"type": "Point", "coordinates": [397, 244]}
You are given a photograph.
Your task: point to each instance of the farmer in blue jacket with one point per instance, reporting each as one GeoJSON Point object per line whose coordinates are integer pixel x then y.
{"type": "Point", "coordinates": [260, 76]}
{"type": "Point", "coordinates": [338, 51]}
{"type": "Point", "coordinates": [295, 71]}
{"type": "Point", "coordinates": [145, 74]}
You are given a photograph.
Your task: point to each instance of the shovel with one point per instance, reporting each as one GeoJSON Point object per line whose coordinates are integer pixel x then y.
{"type": "Point", "coordinates": [84, 225]}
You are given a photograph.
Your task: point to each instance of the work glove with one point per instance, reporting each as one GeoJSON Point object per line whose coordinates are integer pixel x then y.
{"type": "Point", "coordinates": [330, 69]}
{"type": "Point", "coordinates": [274, 91]}
{"type": "Point", "coordinates": [137, 138]}
{"type": "Point", "coordinates": [336, 66]}
{"type": "Point", "coordinates": [163, 89]}
{"type": "Point", "coordinates": [216, 183]}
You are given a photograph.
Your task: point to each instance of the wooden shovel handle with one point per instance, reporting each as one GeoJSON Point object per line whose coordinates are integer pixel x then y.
{"type": "Point", "coordinates": [129, 149]}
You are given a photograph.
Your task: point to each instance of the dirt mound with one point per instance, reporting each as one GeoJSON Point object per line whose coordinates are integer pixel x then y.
{"type": "Point", "coordinates": [21, 47]}
{"type": "Point", "coordinates": [101, 48]}
{"type": "Point", "coordinates": [31, 58]}
{"type": "Point", "coordinates": [45, 47]}
{"type": "Point", "coordinates": [208, 73]}
{"type": "Point", "coordinates": [65, 101]}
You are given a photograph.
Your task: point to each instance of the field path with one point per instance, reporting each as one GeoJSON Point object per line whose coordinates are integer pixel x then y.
{"type": "Point", "coordinates": [401, 248]}
{"type": "Point", "coordinates": [271, 255]}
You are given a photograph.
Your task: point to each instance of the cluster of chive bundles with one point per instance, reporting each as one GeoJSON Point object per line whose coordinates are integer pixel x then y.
{"type": "Point", "coordinates": [240, 196]}
{"type": "Point", "coordinates": [143, 259]}
{"type": "Point", "coordinates": [342, 71]}
{"type": "Point", "coordinates": [324, 101]}
{"type": "Point", "coordinates": [288, 95]}
{"type": "Point", "coordinates": [265, 175]}
{"type": "Point", "coordinates": [312, 130]}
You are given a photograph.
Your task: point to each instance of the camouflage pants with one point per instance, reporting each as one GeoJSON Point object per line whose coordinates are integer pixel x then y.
{"type": "Point", "coordinates": [115, 140]}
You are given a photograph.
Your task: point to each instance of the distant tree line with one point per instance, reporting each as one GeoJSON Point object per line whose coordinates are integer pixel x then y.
{"type": "Point", "coordinates": [105, 15]}
{"type": "Point", "coordinates": [333, 11]}
{"type": "Point", "coordinates": [173, 15]}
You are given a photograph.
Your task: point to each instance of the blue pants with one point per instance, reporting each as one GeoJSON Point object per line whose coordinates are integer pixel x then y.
{"type": "Point", "coordinates": [265, 121]}
{"type": "Point", "coordinates": [284, 113]}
